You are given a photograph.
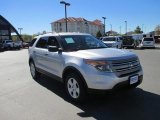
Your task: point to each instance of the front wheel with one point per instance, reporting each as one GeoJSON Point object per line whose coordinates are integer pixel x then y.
{"type": "Point", "coordinates": [35, 74]}
{"type": "Point", "coordinates": [75, 88]}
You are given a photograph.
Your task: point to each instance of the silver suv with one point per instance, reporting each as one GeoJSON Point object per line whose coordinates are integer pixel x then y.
{"type": "Point", "coordinates": [83, 63]}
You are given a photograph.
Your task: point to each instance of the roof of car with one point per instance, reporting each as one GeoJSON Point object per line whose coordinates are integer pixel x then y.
{"type": "Point", "coordinates": [61, 34]}
{"type": "Point", "coordinates": [111, 36]}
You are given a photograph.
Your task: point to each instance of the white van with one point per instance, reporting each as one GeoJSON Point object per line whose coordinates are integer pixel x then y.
{"type": "Point", "coordinates": [148, 42]}
{"type": "Point", "coordinates": [113, 41]}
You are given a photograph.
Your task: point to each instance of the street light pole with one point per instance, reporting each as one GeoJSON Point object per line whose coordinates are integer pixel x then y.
{"type": "Point", "coordinates": [142, 27]}
{"type": "Point", "coordinates": [65, 4]}
{"type": "Point", "coordinates": [104, 18]}
{"type": "Point", "coordinates": [126, 26]}
{"type": "Point", "coordinates": [111, 27]}
{"type": "Point", "coordinates": [20, 29]}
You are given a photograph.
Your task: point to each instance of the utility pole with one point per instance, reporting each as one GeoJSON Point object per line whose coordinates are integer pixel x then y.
{"type": "Point", "coordinates": [20, 29]}
{"type": "Point", "coordinates": [104, 18]}
{"type": "Point", "coordinates": [126, 26]}
{"type": "Point", "coordinates": [65, 4]}
{"type": "Point", "coordinates": [120, 30]}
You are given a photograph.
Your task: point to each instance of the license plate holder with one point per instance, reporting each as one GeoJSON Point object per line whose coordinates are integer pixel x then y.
{"type": "Point", "coordinates": [133, 79]}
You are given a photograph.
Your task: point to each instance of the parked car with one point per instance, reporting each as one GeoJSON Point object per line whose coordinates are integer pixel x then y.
{"type": "Point", "coordinates": [25, 44]}
{"type": "Point", "coordinates": [19, 43]}
{"type": "Point", "coordinates": [83, 63]}
{"type": "Point", "coordinates": [157, 38]}
{"type": "Point", "coordinates": [113, 41]}
{"type": "Point", "coordinates": [148, 42]}
{"type": "Point", "coordinates": [9, 44]}
{"type": "Point", "coordinates": [129, 42]}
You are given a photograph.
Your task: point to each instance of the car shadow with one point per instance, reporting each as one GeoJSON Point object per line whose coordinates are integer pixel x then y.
{"type": "Point", "coordinates": [135, 104]}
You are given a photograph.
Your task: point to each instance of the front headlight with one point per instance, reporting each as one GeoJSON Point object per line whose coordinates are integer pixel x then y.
{"type": "Point", "coordinates": [100, 65]}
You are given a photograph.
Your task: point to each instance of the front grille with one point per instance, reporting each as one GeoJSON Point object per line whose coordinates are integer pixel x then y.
{"type": "Point", "coordinates": [125, 67]}
{"type": "Point", "coordinates": [109, 45]}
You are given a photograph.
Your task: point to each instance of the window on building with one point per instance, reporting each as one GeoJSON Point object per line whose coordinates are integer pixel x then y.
{"type": "Point", "coordinates": [4, 32]}
{"type": "Point", "coordinates": [78, 29]}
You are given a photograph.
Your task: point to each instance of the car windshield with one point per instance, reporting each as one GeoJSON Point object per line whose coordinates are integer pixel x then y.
{"type": "Point", "coordinates": [109, 39]}
{"type": "Point", "coordinates": [81, 42]}
{"type": "Point", "coordinates": [8, 41]}
{"type": "Point", "coordinates": [148, 39]}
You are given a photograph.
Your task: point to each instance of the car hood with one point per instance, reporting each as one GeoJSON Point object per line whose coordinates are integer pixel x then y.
{"type": "Point", "coordinates": [104, 53]}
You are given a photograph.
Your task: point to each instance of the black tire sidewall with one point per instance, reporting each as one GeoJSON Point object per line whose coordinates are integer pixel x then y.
{"type": "Point", "coordinates": [82, 95]}
{"type": "Point", "coordinates": [37, 74]}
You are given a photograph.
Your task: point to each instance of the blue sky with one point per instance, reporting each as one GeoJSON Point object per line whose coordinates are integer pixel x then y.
{"type": "Point", "coordinates": [36, 15]}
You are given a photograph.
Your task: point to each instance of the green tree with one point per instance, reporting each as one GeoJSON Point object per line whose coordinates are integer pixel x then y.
{"type": "Point", "coordinates": [157, 30]}
{"type": "Point", "coordinates": [26, 37]}
{"type": "Point", "coordinates": [98, 34]}
{"type": "Point", "coordinates": [15, 37]}
{"type": "Point", "coordinates": [34, 35]}
{"type": "Point", "coordinates": [138, 30]}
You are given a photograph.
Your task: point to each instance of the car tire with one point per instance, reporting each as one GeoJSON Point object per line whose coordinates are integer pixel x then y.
{"type": "Point", "coordinates": [34, 73]}
{"type": "Point", "coordinates": [75, 88]}
{"type": "Point", "coordinates": [9, 48]}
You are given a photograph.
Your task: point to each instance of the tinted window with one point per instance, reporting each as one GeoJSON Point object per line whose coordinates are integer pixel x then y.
{"type": "Point", "coordinates": [81, 42]}
{"type": "Point", "coordinates": [52, 41]}
{"type": "Point", "coordinates": [8, 41]}
{"type": "Point", "coordinates": [148, 39]}
{"type": "Point", "coordinates": [109, 39]}
{"type": "Point", "coordinates": [42, 43]}
{"type": "Point", "coordinates": [121, 38]}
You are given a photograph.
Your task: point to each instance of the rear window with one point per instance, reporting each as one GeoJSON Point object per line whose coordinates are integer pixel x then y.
{"type": "Point", "coordinates": [109, 39]}
{"type": "Point", "coordinates": [148, 39]}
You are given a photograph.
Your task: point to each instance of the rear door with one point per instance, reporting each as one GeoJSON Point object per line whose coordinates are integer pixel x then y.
{"type": "Point", "coordinates": [40, 52]}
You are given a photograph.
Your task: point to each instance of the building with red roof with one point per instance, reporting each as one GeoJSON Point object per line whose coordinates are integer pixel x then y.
{"type": "Point", "coordinates": [78, 25]}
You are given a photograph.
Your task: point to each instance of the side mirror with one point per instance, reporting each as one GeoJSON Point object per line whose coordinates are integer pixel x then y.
{"type": "Point", "coordinates": [53, 48]}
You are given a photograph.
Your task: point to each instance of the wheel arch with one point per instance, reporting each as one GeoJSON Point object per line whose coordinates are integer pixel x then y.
{"type": "Point", "coordinates": [30, 60]}
{"type": "Point", "coordinates": [71, 69]}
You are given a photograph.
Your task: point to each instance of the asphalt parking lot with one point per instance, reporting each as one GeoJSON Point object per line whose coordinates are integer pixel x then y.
{"type": "Point", "coordinates": [22, 98]}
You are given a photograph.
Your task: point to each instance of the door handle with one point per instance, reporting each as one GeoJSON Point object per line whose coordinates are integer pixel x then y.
{"type": "Point", "coordinates": [46, 54]}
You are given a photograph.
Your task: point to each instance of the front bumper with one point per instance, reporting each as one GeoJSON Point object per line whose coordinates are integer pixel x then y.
{"type": "Point", "coordinates": [147, 46]}
{"type": "Point", "coordinates": [120, 86]}
{"type": "Point", "coordinates": [108, 81]}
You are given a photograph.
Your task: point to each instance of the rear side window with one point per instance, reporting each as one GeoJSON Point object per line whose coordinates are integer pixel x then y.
{"type": "Point", "coordinates": [42, 43]}
{"type": "Point", "coordinates": [32, 42]}
{"type": "Point", "coordinates": [52, 41]}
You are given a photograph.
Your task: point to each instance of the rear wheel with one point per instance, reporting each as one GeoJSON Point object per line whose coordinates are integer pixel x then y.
{"type": "Point", "coordinates": [35, 74]}
{"type": "Point", "coordinates": [75, 88]}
